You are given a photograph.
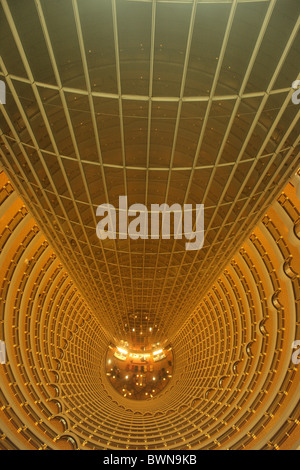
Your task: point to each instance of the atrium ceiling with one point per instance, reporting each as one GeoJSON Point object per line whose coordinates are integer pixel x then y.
{"type": "Point", "coordinates": [185, 102]}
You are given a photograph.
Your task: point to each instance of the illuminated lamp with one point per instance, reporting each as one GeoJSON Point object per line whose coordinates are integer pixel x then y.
{"type": "Point", "coordinates": [123, 351]}
{"type": "Point", "coordinates": [157, 352]}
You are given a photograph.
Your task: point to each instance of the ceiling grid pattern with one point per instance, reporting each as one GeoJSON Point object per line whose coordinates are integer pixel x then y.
{"type": "Point", "coordinates": [132, 104]}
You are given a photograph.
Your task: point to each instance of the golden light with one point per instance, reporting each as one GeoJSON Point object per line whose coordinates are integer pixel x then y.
{"type": "Point", "coordinates": [123, 351]}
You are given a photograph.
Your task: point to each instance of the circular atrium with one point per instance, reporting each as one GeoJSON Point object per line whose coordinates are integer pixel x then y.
{"type": "Point", "coordinates": [132, 337]}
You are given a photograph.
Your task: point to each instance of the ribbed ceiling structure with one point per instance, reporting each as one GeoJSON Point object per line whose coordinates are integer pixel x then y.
{"type": "Point", "coordinates": [185, 102]}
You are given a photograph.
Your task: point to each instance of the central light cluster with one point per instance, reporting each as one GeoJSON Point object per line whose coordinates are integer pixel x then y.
{"type": "Point", "coordinates": [139, 374]}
